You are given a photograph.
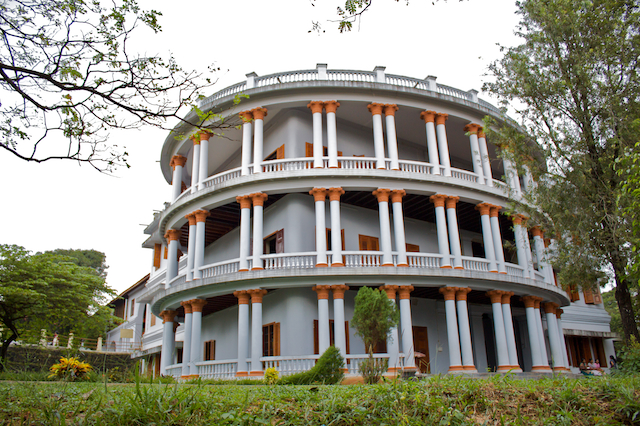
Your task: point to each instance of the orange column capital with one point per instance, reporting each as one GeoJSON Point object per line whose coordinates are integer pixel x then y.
{"type": "Point", "coordinates": [322, 290]}
{"type": "Point", "coordinates": [506, 297]}
{"type": "Point", "coordinates": [472, 128]}
{"type": "Point", "coordinates": [197, 304]}
{"type": "Point", "coordinates": [201, 215]}
{"type": "Point", "coordinates": [259, 113]}
{"type": "Point", "coordinates": [319, 194]}
{"type": "Point", "coordinates": [516, 219]}
{"type": "Point", "coordinates": [449, 293]}
{"type": "Point", "coordinates": [441, 118]}
{"type": "Point", "coordinates": [549, 308]}
{"type": "Point", "coordinates": [204, 134]}
{"type": "Point", "coordinates": [195, 139]}
{"type": "Point", "coordinates": [495, 211]}
{"type": "Point", "coordinates": [462, 292]}
{"type": "Point", "coordinates": [483, 208]}
{"type": "Point", "coordinates": [559, 313]}
{"type": "Point", "coordinates": [382, 194]}
{"type": "Point", "coordinates": [191, 217]}
{"type": "Point", "coordinates": [390, 109]}
{"type": "Point", "coordinates": [246, 116]}
{"type": "Point", "coordinates": [331, 106]}
{"type": "Point", "coordinates": [167, 315]}
{"type": "Point", "coordinates": [452, 201]}
{"type": "Point", "coordinates": [536, 231]}
{"type": "Point", "coordinates": [390, 290]}
{"type": "Point", "coordinates": [405, 291]}
{"type": "Point", "coordinates": [481, 133]}
{"type": "Point", "coordinates": [258, 198]}
{"type": "Point", "coordinates": [338, 290]}
{"type": "Point", "coordinates": [335, 193]}
{"type": "Point", "coordinates": [529, 301]}
{"type": "Point", "coordinates": [375, 108]}
{"type": "Point", "coordinates": [243, 297]}
{"type": "Point", "coordinates": [438, 199]}
{"type": "Point", "coordinates": [257, 295]}
{"type": "Point", "coordinates": [177, 160]}
{"type": "Point", "coordinates": [495, 296]}
{"type": "Point", "coordinates": [172, 234]}
{"type": "Point", "coordinates": [428, 116]}
{"type": "Point", "coordinates": [244, 200]}
{"type": "Point", "coordinates": [397, 194]}
{"type": "Point", "coordinates": [187, 306]}
{"type": "Point", "coordinates": [315, 106]}
{"type": "Point", "coordinates": [536, 302]}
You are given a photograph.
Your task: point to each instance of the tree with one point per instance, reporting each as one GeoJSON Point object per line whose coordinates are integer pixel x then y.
{"type": "Point", "coordinates": [46, 290]}
{"type": "Point", "coordinates": [68, 76]}
{"type": "Point", "coordinates": [576, 83]}
{"type": "Point", "coordinates": [374, 316]}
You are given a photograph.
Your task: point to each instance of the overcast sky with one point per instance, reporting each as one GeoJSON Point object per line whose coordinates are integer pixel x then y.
{"type": "Point", "coordinates": [63, 205]}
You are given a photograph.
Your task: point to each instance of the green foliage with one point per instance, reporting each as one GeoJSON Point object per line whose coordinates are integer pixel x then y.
{"type": "Point", "coordinates": [372, 369]}
{"type": "Point", "coordinates": [328, 370]}
{"type": "Point", "coordinates": [271, 376]}
{"type": "Point", "coordinates": [70, 369]}
{"type": "Point", "coordinates": [576, 89]}
{"type": "Point", "coordinates": [374, 316]}
{"type": "Point", "coordinates": [629, 357]}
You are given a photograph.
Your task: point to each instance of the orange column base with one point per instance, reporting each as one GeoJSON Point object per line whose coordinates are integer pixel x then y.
{"type": "Point", "coordinates": [257, 269]}
{"type": "Point", "coordinates": [321, 265]}
{"type": "Point", "coordinates": [242, 374]}
{"type": "Point", "coordinates": [256, 373]}
{"type": "Point", "coordinates": [456, 368]}
{"type": "Point", "coordinates": [337, 265]}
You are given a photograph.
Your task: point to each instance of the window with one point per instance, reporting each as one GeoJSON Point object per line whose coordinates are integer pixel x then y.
{"type": "Point", "coordinates": [133, 307]}
{"type": "Point", "coordinates": [308, 150]}
{"type": "Point", "coordinates": [179, 353]}
{"type": "Point", "coordinates": [588, 296]}
{"type": "Point", "coordinates": [210, 350]}
{"type": "Point", "coordinates": [477, 249]}
{"type": "Point", "coordinates": [166, 251]}
{"type": "Point", "coordinates": [329, 238]}
{"type": "Point", "coordinates": [152, 321]}
{"type": "Point", "coordinates": [278, 154]}
{"type": "Point", "coordinates": [332, 340]}
{"type": "Point", "coordinates": [367, 243]}
{"type": "Point", "coordinates": [274, 243]}
{"type": "Point", "coordinates": [157, 251]}
{"type": "Point", "coordinates": [271, 339]}
{"type": "Point", "coordinates": [413, 248]}
{"type": "Point", "coordinates": [574, 295]}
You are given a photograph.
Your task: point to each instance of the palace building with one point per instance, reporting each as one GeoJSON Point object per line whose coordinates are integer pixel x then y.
{"type": "Point", "coordinates": [333, 180]}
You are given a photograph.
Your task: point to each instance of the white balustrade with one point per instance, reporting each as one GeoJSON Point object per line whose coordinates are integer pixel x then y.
{"type": "Point", "coordinates": [353, 362]}
{"type": "Point", "coordinates": [220, 268]}
{"type": "Point", "coordinates": [287, 164]}
{"type": "Point", "coordinates": [180, 279]}
{"type": "Point", "coordinates": [357, 163]}
{"type": "Point", "coordinates": [350, 75]}
{"type": "Point", "coordinates": [220, 178]}
{"type": "Point", "coordinates": [290, 260]}
{"type": "Point", "coordinates": [222, 370]}
{"type": "Point", "coordinates": [422, 260]}
{"type": "Point", "coordinates": [464, 175]}
{"type": "Point", "coordinates": [156, 279]}
{"type": "Point", "coordinates": [286, 365]}
{"type": "Point", "coordinates": [514, 270]}
{"type": "Point", "coordinates": [416, 167]}
{"type": "Point", "coordinates": [539, 276]}
{"type": "Point", "coordinates": [174, 371]}
{"type": "Point", "coordinates": [475, 264]}
{"type": "Point", "coordinates": [362, 258]}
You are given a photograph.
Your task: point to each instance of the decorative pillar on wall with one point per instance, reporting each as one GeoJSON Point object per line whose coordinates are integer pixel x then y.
{"type": "Point", "coordinates": [455, 361]}
{"type": "Point", "coordinates": [245, 231]}
{"type": "Point", "coordinates": [247, 118]}
{"type": "Point", "coordinates": [429, 118]}
{"type": "Point", "coordinates": [336, 228]}
{"type": "Point", "coordinates": [398, 226]}
{"type": "Point", "coordinates": [378, 138]}
{"type": "Point", "coordinates": [392, 140]}
{"type": "Point", "coordinates": [438, 201]}
{"type": "Point", "coordinates": [316, 109]}
{"type": "Point", "coordinates": [332, 134]}
{"type": "Point", "coordinates": [385, 225]}
{"type": "Point", "coordinates": [186, 345]}
{"type": "Point", "coordinates": [454, 236]}
{"type": "Point", "coordinates": [256, 331]}
{"type": "Point", "coordinates": [243, 332]}
{"type": "Point", "coordinates": [393, 342]}
{"type": "Point", "coordinates": [258, 123]}
{"type": "Point", "coordinates": [197, 305]}
{"type": "Point", "coordinates": [443, 144]}
{"type": "Point", "coordinates": [201, 223]}
{"type": "Point", "coordinates": [319, 196]}
{"type": "Point", "coordinates": [258, 199]}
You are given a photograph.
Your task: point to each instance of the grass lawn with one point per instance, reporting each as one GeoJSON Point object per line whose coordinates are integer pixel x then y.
{"type": "Point", "coordinates": [443, 400]}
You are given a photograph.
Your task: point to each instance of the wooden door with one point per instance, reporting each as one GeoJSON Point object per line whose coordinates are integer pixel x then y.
{"type": "Point", "coordinates": [368, 243]}
{"type": "Point", "coordinates": [421, 346]}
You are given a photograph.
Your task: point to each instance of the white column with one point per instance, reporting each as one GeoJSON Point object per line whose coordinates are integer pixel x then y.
{"type": "Point", "coordinates": [319, 196]}
{"type": "Point", "coordinates": [487, 235]}
{"type": "Point", "coordinates": [432, 143]}
{"type": "Point", "coordinates": [385, 225]}
{"type": "Point", "coordinates": [472, 129]}
{"type": "Point", "coordinates": [542, 347]}
{"type": "Point", "coordinates": [338, 318]}
{"type": "Point", "coordinates": [168, 340]}
{"type": "Point", "coordinates": [511, 173]}
{"type": "Point", "coordinates": [323, 317]}
{"type": "Point", "coordinates": [256, 331]}
{"type": "Point", "coordinates": [378, 138]}
{"type": "Point", "coordinates": [258, 137]}
{"type": "Point", "coordinates": [173, 237]}
{"type": "Point", "coordinates": [316, 110]}
{"type": "Point", "coordinates": [196, 333]}
{"type": "Point", "coordinates": [554, 338]}
{"type": "Point", "coordinates": [498, 326]}
{"type": "Point", "coordinates": [203, 168]}
{"type": "Point", "coordinates": [247, 117]}
{"type": "Point", "coordinates": [443, 144]}
{"type": "Point", "coordinates": [245, 231]}
{"type": "Point", "coordinates": [258, 246]}
{"type": "Point", "coordinates": [406, 327]}
{"type": "Point", "coordinates": [509, 331]}
{"type": "Point", "coordinates": [527, 247]}
{"type": "Point", "coordinates": [336, 229]}
{"type": "Point", "coordinates": [563, 344]}
{"type": "Point", "coordinates": [201, 223]}
{"type": "Point", "coordinates": [534, 341]}
{"type": "Point", "coordinates": [243, 332]}
{"type": "Point", "coordinates": [191, 247]}
{"type": "Point", "coordinates": [177, 163]}
{"type": "Point", "coordinates": [392, 140]}
{"type": "Point", "coordinates": [441, 227]}
{"type": "Point", "coordinates": [497, 238]}
{"type": "Point", "coordinates": [332, 136]}
{"type": "Point", "coordinates": [393, 342]}
{"type": "Point", "coordinates": [465, 331]}
{"type": "Point", "coordinates": [186, 344]}
{"type": "Point", "coordinates": [538, 245]}
{"type": "Point", "coordinates": [455, 361]}
{"type": "Point", "coordinates": [195, 163]}
{"type": "Point", "coordinates": [398, 226]}
{"type": "Point", "coordinates": [520, 244]}
{"type": "Point", "coordinates": [484, 157]}
{"type": "Point", "coordinates": [454, 236]}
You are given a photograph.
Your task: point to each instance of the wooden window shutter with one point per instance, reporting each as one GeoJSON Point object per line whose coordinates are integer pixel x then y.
{"type": "Point", "coordinates": [413, 248]}
{"type": "Point", "coordinates": [280, 153]}
{"type": "Point", "coordinates": [574, 294]}
{"type": "Point", "coordinates": [588, 296]}
{"type": "Point", "coordinates": [280, 241]}
{"type": "Point", "coordinates": [346, 335]}
{"type": "Point", "coordinates": [210, 350]}
{"type": "Point", "coordinates": [316, 344]}
{"type": "Point", "coordinates": [152, 322]}
{"type": "Point", "coordinates": [183, 187]}
{"type": "Point", "coordinates": [166, 252]}
{"type": "Point", "coordinates": [308, 149]}
{"type": "Point", "coordinates": [597, 297]}
{"type": "Point", "coordinates": [157, 251]}
{"type": "Point", "coordinates": [367, 243]}
{"type": "Point", "coordinates": [276, 338]}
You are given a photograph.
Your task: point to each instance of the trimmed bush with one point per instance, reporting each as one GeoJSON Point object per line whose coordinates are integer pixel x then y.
{"type": "Point", "coordinates": [328, 371]}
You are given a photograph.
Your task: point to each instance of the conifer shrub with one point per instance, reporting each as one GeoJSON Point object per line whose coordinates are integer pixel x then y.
{"type": "Point", "coordinates": [271, 376]}
{"type": "Point", "coordinates": [328, 371]}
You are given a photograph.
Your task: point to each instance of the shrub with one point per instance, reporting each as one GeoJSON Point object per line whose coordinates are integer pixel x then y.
{"type": "Point", "coordinates": [372, 369]}
{"type": "Point", "coordinates": [271, 376]}
{"type": "Point", "coordinates": [328, 370]}
{"type": "Point", "coordinates": [70, 369]}
{"type": "Point", "coordinates": [629, 357]}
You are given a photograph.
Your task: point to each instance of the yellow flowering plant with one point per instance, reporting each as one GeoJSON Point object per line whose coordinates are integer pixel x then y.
{"type": "Point", "coordinates": [70, 369]}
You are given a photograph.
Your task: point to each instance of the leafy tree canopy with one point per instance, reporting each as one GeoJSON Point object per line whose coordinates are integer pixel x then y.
{"type": "Point", "coordinates": [575, 84]}
{"type": "Point", "coordinates": [374, 316]}
{"type": "Point", "coordinates": [68, 75]}
{"type": "Point", "coordinates": [49, 291]}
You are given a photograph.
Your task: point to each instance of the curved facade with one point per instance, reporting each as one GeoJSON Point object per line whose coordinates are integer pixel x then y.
{"type": "Point", "coordinates": [330, 181]}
